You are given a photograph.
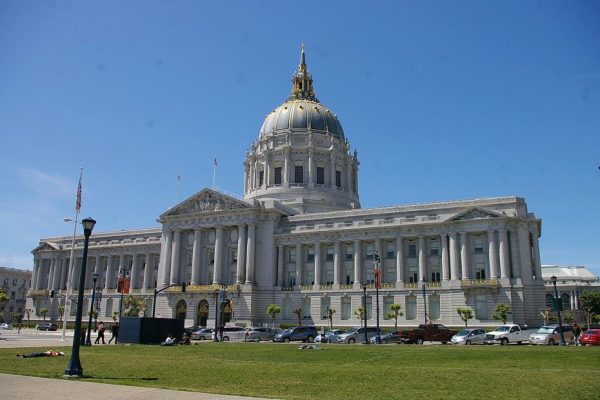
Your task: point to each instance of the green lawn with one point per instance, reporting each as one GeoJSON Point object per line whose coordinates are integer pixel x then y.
{"type": "Point", "coordinates": [337, 371]}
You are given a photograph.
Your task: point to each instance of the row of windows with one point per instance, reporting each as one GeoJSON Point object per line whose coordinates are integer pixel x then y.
{"type": "Point", "coordinates": [15, 281]}
{"type": "Point", "coordinates": [299, 176]}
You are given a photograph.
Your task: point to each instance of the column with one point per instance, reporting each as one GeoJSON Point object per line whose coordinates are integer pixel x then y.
{"type": "Point", "coordinates": [175, 257]}
{"type": "Point", "coordinates": [64, 274]}
{"type": "Point", "coordinates": [134, 272]}
{"type": "Point", "coordinates": [34, 272]}
{"type": "Point", "coordinates": [537, 259]}
{"type": "Point", "coordinates": [56, 275]}
{"type": "Point", "coordinates": [317, 264]}
{"type": "Point", "coordinates": [266, 171]}
{"type": "Point", "coordinates": [337, 262]}
{"type": "Point", "coordinates": [464, 256]}
{"type": "Point", "coordinates": [164, 268]}
{"type": "Point", "coordinates": [357, 259]}
{"type": "Point", "coordinates": [39, 273]}
{"type": "Point", "coordinates": [218, 266]}
{"type": "Point", "coordinates": [109, 272]}
{"type": "Point", "coordinates": [310, 169]}
{"type": "Point", "coordinates": [196, 257]}
{"type": "Point", "coordinates": [400, 260]}
{"type": "Point", "coordinates": [75, 273]}
{"type": "Point", "coordinates": [445, 264]}
{"type": "Point", "coordinates": [422, 260]}
{"type": "Point", "coordinates": [241, 254]}
{"type": "Point", "coordinates": [492, 253]}
{"type": "Point", "coordinates": [246, 178]}
{"type": "Point", "coordinates": [503, 248]}
{"type": "Point", "coordinates": [147, 271]}
{"type": "Point", "coordinates": [454, 272]}
{"type": "Point", "coordinates": [250, 253]}
{"type": "Point", "coordinates": [51, 274]}
{"type": "Point", "coordinates": [286, 168]}
{"type": "Point", "coordinates": [349, 174]}
{"type": "Point", "coordinates": [299, 263]}
{"type": "Point", "coordinates": [280, 280]}
{"type": "Point", "coordinates": [332, 172]}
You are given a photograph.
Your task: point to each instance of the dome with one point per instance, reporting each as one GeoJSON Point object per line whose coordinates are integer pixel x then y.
{"type": "Point", "coordinates": [302, 115]}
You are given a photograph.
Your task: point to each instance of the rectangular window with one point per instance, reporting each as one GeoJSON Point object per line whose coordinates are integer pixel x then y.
{"type": "Point", "coordinates": [211, 256]}
{"type": "Point", "coordinates": [481, 312]}
{"type": "Point", "coordinates": [479, 271]}
{"type": "Point", "coordinates": [277, 176]}
{"type": "Point", "coordinates": [434, 307]}
{"type": "Point", "coordinates": [411, 307]}
{"type": "Point", "coordinates": [413, 275]}
{"type": "Point", "coordinates": [261, 177]}
{"type": "Point", "coordinates": [329, 254]}
{"type": "Point", "coordinates": [390, 251]}
{"type": "Point", "coordinates": [298, 174]}
{"type": "Point", "coordinates": [349, 253]}
{"type": "Point", "coordinates": [291, 278]}
{"type": "Point", "coordinates": [434, 247]}
{"type": "Point", "coordinates": [369, 251]}
{"type": "Point", "coordinates": [346, 308]}
{"type": "Point", "coordinates": [15, 282]}
{"type": "Point", "coordinates": [320, 176]}
{"type": "Point", "coordinates": [338, 179]}
{"type": "Point", "coordinates": [310, 255]}
{"type": "Point", "coordinates": [292, 255]}
{"type": "Point", "coordinates": [478, 244]}
{"type": "Point", "coordinates": [233, 255]}
{"type": "Point", "coordinates": [435, 277]}
{"type": "Point", "coordinates": [306, 307]}
{"type": "Point", "coordinates": [369, 307]}
{"type": "Point", "coordinates": [387, 306]}
{"type": "Point", "coordinates": [412, 250]}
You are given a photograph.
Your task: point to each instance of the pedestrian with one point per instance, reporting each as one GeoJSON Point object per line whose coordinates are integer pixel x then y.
{"type": "Point", "coordinates": [100, 333]}
{"type": "Point", "coordinates": [576, 333]}
{"type": "Point", "coordinates": [114, 331]}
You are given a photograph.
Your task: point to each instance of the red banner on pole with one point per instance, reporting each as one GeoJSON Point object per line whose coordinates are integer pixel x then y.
{"type": "Point", "coordinates": [123, 285]}
{"type": "Point", "coordinates": [377, 273]}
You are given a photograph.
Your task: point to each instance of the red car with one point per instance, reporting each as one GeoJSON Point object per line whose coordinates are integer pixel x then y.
{"type": "Point", "coordinates": [590, 337]}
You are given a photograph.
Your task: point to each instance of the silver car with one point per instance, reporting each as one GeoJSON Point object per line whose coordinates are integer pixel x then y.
{"type": "Point", "coordinates": [256, 334]}
{"type": "Point", "coordinates": [329, 336]}
{"type": "Point", "coordinates": [469, 336]}
{"type": "Point", "coordinates": [357, 335]}
{"type": "Point", "coordinates": [550, 334]}
{"type": "Point", "coordinates": [202, 334]}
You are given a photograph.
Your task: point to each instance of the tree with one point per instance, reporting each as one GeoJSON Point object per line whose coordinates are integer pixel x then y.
{"type": "Point", "coordinates": [298, 312]}
{"type": "Point", "coordinates": [359, 312]}
{"type": "Point", "coordinates": [134, 305]}
{"type": "Point", "coordinates": [28, 312]}
{"type": "Point", "coordinates": [545, 313]}
{"type": "Point", "coordinates": [3, 296]}
{"type": "Point", "coordinates": [395, 313]}
{"type": "Point", "coordinates": [330, 312]}
{"type": "Point", "coordinates": [115, 316]}
{"type": "Point", "coordinates": [465, 313]}
{"type": "Point", "coordinates": [43, 312]}
{"type": "Point", "coordinates": [501, 312]}
{"type": "Point", "coordinates": [273, 310]}
{"type": "Point", "coordinates": [590, 304]}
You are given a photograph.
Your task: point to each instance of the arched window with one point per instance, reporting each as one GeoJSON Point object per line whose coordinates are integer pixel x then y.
{"type": "Point", "coordinates": [549, 299]}
{"type": "Point", "coordinates": [202, 313]}
{"type": "Point", "coordinates": [566, 300]}
{"type": "Point", "coordinates": [181, 310]}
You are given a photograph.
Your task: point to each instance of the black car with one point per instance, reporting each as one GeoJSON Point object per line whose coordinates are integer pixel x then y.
{"type": "Point", "coordinates": [47, 326]}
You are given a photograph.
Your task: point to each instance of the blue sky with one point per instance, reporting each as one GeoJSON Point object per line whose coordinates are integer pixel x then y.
{"type": "Point", "coordinates": [443, 100]}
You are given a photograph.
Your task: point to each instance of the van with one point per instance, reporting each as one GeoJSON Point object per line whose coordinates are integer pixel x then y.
{"type": "Point", "coordinates": [357, 335]}
{"type": "Point", "coordinates": [550, 334]}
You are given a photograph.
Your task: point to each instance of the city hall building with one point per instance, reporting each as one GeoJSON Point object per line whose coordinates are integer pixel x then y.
{"type": "Point", "coordinates": [299, 238]}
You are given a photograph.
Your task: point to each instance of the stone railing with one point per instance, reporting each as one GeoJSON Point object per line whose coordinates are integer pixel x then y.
{"type": "Point", "coordinates": [433, 284]}
{"type": "Point", "coordinates": [411, 285]}
{"type": "Point", "coordinates": [38, 292]}
{"type": "Point", "coordinates": [205, 288]}
{"type": "Point", "coordinates": [479, 283]}
{"type": "Point", "coordinates": [388, 285]}
{"type": "Point", "coordinates": [287, 288]}
{"type": "Point", "coordinates": [306, 287]}
{"type": "Point", "coordinates": [346, 286]}
{"type": "Point", "coordinates": [325, 287]}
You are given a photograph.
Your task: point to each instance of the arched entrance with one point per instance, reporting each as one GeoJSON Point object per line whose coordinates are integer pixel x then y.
{"type": "Point", "coordinates": [202, 314]}
{"type": "Point", "coordinates": [181, 310]}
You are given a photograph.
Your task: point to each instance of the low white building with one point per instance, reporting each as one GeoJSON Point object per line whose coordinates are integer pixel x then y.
{"type": "Point", "coordinates": [15, 283]}
{"type": "Point", "coordinates": [298, 238]}
{"type": "Point", "coordinates": [571, 282]}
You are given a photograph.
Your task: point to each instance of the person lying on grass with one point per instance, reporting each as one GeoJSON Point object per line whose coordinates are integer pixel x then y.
{"type": "Point", "coordinates": [47, 353]}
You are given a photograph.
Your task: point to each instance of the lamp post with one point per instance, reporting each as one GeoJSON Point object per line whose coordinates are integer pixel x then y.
{"type": "Point", "coordinates": [67, 310]}
{"type": "Point", "coordinates": [215, 337]}
{"type": "Point", "coordinates": [364, 287]}
{"type": "Point", "coordinates": [557, 306]}
{"type": "Point", "coordinates": [123, 273]}
{"type": "Point", "coordinates": [74, 368]}
{"type": "Point", "coordinates": [377, 276]}
{"type": "Point", "coordinates": [88, 340]}
{"type": "Point", "coordinates": [424, 300]}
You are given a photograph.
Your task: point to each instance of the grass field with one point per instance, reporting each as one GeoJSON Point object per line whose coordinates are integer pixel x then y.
{"type": "Point", "coordinates": [337, 371]}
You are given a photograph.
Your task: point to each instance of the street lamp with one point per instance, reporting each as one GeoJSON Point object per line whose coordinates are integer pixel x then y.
{"type": "Point", "coordinates": [123, 273]}
{"type": "Point", "coordinates": [215, 337]}
{"type": "Point", "coordinates": [557, 307]}
{"type": "Point", "coordinates": [377, 275]}
{"type": "Point", "coordinates": [88, 341]}
{"type": "Point", "coordinates": [424, 300]}
{"type": "Point", "coordinates": [364, 287]}
{"type": "Point", "coordinates": [74, 368]}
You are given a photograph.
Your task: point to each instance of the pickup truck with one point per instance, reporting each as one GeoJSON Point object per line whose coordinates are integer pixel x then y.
{"type": "Point", "coordinates": [430, 332]}
{"type": "Point", "coordinates": [509, 333]}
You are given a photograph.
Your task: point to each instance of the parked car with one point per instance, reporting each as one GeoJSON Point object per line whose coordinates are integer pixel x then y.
{"type": "Point", "coordinates": [4, 325]}
{"type": "Point", "coordinates": [191, 329]}
{"type": "Point", "coordinates": [509, 333]}
{"type": "Point", "coordinates": [590, 337]}
{"type": "Point", "coordinates": [233, 333]}
{"type": "Point", "coordinates": [428, 332]}
{"type": "Point", "coordinates": [329, 336]}
{"type": "Point", "coordinates": [357, 335]}
{"type": "Point", "coordinates": [469, 336]}
{"type": "Point", "coordinates": [47, 326]}
{"type": "Point", "coordinates": [256, 334]}
{"type": "Point", "coordinates": [550, 334]}
{"type": "Point", "coordinates": [202, 334]}
{"type": "Point", "coordinates": [299, 333]}
{"type": "Point", "coordinates": [390, 337]}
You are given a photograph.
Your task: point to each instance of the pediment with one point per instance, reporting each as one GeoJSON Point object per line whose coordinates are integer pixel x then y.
{"type": "Point", "coordinates": [46, 246]}
{"type": "Point", "coordinates": [475, 213]}
{"type": "Point", "coordinates": [206, 201]}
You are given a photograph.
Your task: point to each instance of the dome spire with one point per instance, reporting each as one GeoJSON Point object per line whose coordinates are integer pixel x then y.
{"type": "Point", "coordinates": [302, 83]}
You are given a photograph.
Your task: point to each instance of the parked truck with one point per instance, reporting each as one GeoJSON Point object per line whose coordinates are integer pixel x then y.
{"type": "Point", "coordinates": [428, 332]}
{"type": "Point", "coordinates": [508, 333]}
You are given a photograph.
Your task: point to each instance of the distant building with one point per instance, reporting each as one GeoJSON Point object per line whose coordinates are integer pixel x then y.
{"type": "Point", "coordinates": [300, 239]}
{"type": "Point", "coordinates": [15, 283]}
{"type": "Point", "coordinates": [571, 282]}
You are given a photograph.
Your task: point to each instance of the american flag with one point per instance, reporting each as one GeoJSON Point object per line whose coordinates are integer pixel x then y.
{"type": "Point", "coordinates": [78, 202]}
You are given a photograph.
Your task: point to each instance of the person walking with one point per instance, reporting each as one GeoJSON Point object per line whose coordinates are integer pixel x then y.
{"type": "Point", "coordinates": [114, 330]}
{"type": "Point", "coordinates": [101, 329]}
{"type": "Point", "coordinates": [576, 333]}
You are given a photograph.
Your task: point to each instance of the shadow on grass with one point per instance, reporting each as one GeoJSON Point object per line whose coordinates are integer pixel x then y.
{"type": "Point", "coordinates": [118, 378]}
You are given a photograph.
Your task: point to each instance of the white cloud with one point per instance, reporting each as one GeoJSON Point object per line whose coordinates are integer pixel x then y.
{"type": "Point", "coordinates": [47, 184]}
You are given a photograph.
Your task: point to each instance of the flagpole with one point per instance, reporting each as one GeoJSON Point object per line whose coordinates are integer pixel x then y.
{"type": "Point", "coordinates": [177, 191]}
{"type": "Point", "coordinates": [214, 173]}
{"type": "Point", "coordinates": [67, 309]}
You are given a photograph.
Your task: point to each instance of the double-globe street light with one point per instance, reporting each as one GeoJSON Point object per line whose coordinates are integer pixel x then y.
{"type": "Point", "coordinates": [557, 307]}
{"type": "Point", "coordinates": [74, 368]}
{"type": "Point", "coordinates": [377, 276]}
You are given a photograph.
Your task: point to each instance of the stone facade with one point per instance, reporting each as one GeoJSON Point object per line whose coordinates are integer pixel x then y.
{"type": "Point", "coordinates": [15, 283]}
{"type": "Point", "coordinates": [299, 238]}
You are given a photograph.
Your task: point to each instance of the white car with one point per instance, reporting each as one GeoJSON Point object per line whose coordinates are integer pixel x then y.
{"type": "Point", "coordinates": [469, 336]}
{"type": "Point", "coordinates": [4, 325]}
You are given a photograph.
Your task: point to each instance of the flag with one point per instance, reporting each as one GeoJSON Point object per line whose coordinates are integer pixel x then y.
{"type": "Point", "coordinates": [78, 202]}
{"type": "Point", "coordinates": [178, 177]}
{"type": "Point", "coordinates": [215, 163]}
{"type": "Point", "coordinates": [377, 273]}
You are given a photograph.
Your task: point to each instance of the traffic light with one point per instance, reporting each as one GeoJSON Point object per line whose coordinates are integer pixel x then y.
{"type": "Point", "coordinates": [183, 287]}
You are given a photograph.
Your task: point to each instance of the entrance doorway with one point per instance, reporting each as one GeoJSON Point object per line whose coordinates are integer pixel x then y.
{"type": "Point", "coordinates": [202, 314]}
